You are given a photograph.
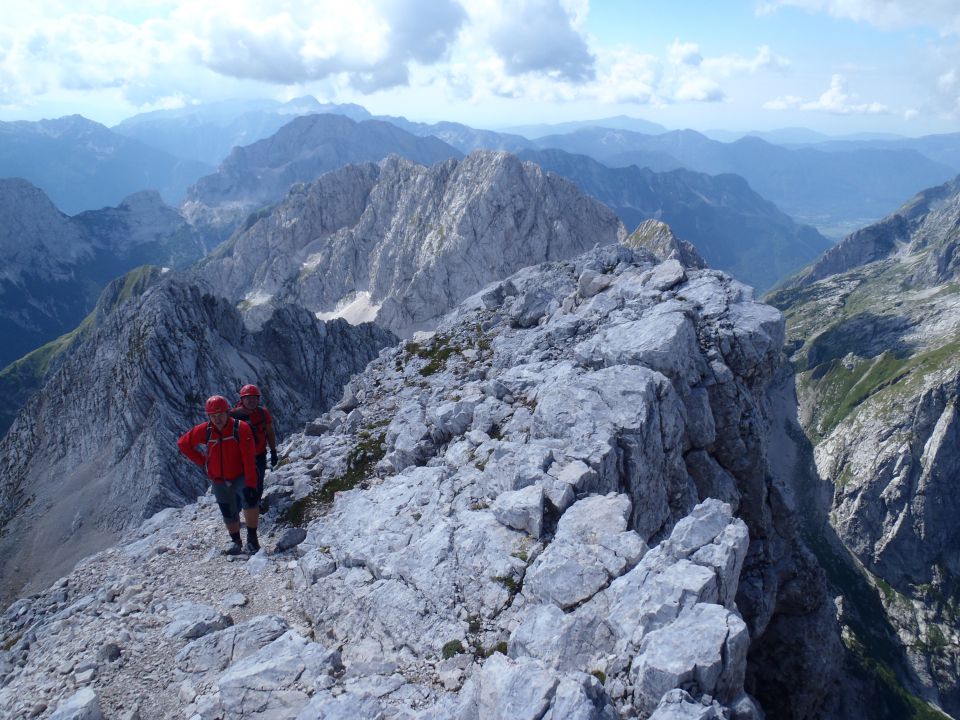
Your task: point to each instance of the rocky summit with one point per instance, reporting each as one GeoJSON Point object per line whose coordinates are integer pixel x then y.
{"type": "Point", "coordinates": [557, 505]}
{"type": "Point", "coordinates": [94, 451]}
{"type": "Point", "coordinates": [873, 330]}
{"type": "Point", "coordinates": [401, 243]}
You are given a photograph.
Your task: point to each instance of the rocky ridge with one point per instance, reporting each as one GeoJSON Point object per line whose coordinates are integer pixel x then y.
{"type": "Point", "coordinates": [877, 385]}
{"type": "Point", "coordinates": [411, 241]}
{"type": "Point", "coordinates": [94, 451]}
{"type": "Point", "coordinates": [557, 505]}
{"type": "Point", "coordinates": [260, 174]}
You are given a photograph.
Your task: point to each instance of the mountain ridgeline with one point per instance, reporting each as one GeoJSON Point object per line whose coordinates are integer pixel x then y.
{"type": "Point", "coordinates": [559, 505]}
{"type": "Point", "coordinates": [261, 173]}
{"type": "Point", "coordinates": [54, 266]}
{"type": "Point", "coordinates": [873, 328]}
{"type": "Point", "coordinates": [825, 189]}
{"type": "Point", "coordinates": [82, 165]}
{"type": "Point", "coordinates": [734, 229]}
{"type": "Point", "coordinates": [407, 241]}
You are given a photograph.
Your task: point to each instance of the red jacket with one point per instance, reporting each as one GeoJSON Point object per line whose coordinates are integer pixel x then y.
{"type": "Point", "coordinates": [259, 419]}
{"type": "Point", "coordinates": [225, 458]}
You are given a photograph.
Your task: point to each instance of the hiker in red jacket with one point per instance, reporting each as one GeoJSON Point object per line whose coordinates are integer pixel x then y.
{"type": "Point", "coordinates": [230, 464]}
{"type": "Point", "coordinates": [249, 409]}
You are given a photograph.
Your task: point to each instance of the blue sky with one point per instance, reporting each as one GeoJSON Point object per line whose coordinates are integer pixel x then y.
{"type": "Point", "coordinates": [838, 66]}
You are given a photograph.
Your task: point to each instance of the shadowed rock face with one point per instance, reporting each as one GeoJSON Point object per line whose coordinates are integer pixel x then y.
{"type": "Point", "coordinates": [417, 240]}
{"type": "Point", "coordinates": [94, 451]}
{"type": "Point", "coordinates": [877, 343]}
{"type": "Point", "coordinates": [555, 506]}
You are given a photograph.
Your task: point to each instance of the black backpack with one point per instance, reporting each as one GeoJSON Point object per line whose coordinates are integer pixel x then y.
{"type": "Point", "coordinates": [257, 428]}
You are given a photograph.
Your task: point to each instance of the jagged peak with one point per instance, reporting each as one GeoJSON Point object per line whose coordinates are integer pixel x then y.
{"type": "Point", "coordinates": [657, 237]}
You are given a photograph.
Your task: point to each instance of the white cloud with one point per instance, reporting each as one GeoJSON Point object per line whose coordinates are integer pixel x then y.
{"type": "Point", "coordinates": [699, 89]}
{"type": "Point", "coordinates": [626, 76]}
{"type": "Point", "coordinates": [371, 43]}
{"type": "Point", "coordinates": [835, 100]}
{"type": "Point", "coordinates": [300, 41]}
{"type": "Point", "coordinates": [787, 102]}
{"type": "Point", "coordinates": [942, 15]}
{"type": "Point", "coordinates": [764, 59]}
{"type": "Point", "coordinates": [684, 53]}
{"type": "Point", "coordinates": [911, 114]}
{"type": "Point", "coordinates": [948, 82]}
{"type": "Point", "coordinates": [535, 36]}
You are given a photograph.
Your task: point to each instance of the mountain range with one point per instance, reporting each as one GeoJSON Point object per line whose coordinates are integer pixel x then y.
{"type": "Point", "coordinates": [139, 376]}
{"type": "Point", "coordinates": [208, 132]}
{"type": "Point", "coordinates": [587, 483]}
{"type": "Point", "coordinates": [303, 149]}
{"type": "Point", "coordinates": [557, 505]}
{"type": "Point", "coordinates": [82, 165]}
{"type": "Point", "coordinates": [824, 189]}
{"type": "Point", "coordinates": [54, 266]}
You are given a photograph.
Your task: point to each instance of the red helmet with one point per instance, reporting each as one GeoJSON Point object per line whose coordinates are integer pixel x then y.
{"type": "Point", "coordinates": [217, 404]}
{"type": "Point", "coordinates": [249, 390]}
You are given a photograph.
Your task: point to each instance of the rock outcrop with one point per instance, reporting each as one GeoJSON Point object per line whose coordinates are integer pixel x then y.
{"type": "Point", "coordinates": [94, 452]}
{"type": "Point", "coordinates": [877, 347]}
{"type": "Point", "coordinates": [260, 174]}
{"type": "Point", "coordinates": [407, 242]}
{"type": "Point", "coordinates": [557, 505]}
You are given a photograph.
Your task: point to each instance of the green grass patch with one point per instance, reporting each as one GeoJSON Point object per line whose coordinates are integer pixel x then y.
{"type": "Point", "coordinates": [509, 582]}
{"type": "Point", "coordinates": [454, 647]}
{"type": "Point", "coordinates": [840, 390]}
{"type": "Point", "coordinates": [360, 463]}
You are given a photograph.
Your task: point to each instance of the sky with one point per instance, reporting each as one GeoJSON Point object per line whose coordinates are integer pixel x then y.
{"type": "Point", "coordinates": [836, 66]}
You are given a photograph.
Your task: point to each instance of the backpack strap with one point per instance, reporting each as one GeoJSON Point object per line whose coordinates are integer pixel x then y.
{"type": "Point", "coordinates": [236, 437]}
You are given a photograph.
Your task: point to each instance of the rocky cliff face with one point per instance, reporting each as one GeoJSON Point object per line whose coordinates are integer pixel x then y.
{"type": "Point", "coordinates": [54, 266]}
{"type": "Point", "coordinates": [877, 344]}
{"type": "Point", "coordinates": [407, 242]}
{"type": "Point", "coordinates": [557, 505]}
{"type": "Point", "coordinates": [300, 151]}
{"type": "Point", "coordinates": [94, 451]}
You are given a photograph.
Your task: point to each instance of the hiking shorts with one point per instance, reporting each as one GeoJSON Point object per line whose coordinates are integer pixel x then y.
{"type": "Point", "coordinates": [229, 495]}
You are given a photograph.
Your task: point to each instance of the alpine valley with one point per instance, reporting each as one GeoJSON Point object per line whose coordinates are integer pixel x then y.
{"type": "Point", "coordinates": [545, 453]}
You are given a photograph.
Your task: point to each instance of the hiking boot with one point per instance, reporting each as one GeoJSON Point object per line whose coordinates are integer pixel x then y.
{"type": "Point", "coordinates": [233, 548]}
{"type": "Point", "coordinates": [251, 548]}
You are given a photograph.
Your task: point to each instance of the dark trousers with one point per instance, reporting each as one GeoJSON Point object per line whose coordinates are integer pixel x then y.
{"type": "Point", "coordinates": [261, 471]}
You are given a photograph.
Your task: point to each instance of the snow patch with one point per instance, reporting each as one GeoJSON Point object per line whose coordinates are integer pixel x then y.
{"type": "Point", "coordinates": [257, 297]}
{"type": "Point", "coordinates": [355, 308]}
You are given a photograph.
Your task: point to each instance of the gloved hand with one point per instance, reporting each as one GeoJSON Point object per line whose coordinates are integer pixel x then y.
{"type": "Point", "coordinates": [250, 496]}
{"type": "Point", "coordinates": [273, 457]}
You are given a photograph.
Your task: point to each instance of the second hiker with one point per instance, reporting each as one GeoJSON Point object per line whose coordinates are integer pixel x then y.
{"type": "Point", "coordinates": [250, 409]}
